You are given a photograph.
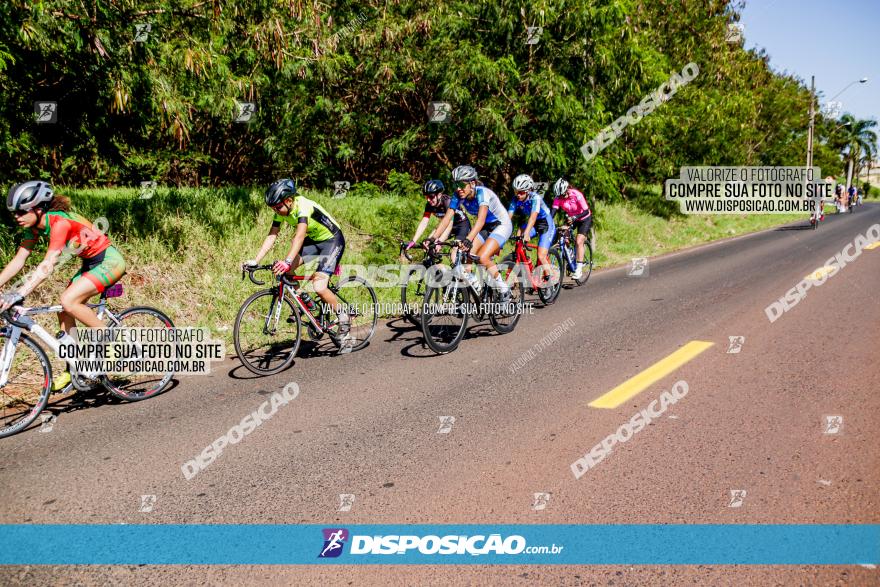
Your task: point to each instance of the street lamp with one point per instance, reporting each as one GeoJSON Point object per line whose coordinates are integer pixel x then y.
{"type": "Point", "coordinates": [863, 80]}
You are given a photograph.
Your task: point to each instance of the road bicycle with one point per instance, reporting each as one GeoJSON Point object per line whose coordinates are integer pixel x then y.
{"type": "Point", "coordinates": [268, 327]}
{"type": "Point", "coordinates": [546, 286]}
{"type": "Point", "coordinates": [451, 300]}
{"type": "Point", "coordinates": [817, 215]}
{"type": "Point", "coordinates": [26, 371]}
{"type": "Point", "coordinates": [567, 249]}
{"type": "Point", "coordinates": [412, 290]}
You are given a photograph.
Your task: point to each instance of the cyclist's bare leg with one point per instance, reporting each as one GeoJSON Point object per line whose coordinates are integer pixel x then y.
{"type": "Point", "coordinates": [320, 282]}
{"type": "Point", "coordinates": [544, 262]}
{"type": "Point", "coordinates": [580, 240]}
{"type": "Point", "coordinates": [73, 302]}
{"type": "Point", "coordinates": [489, 249]}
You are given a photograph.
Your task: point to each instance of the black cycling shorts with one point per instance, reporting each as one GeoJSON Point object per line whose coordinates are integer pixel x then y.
{"type": "Point", "coordinates": [328, 253]}
{"type": "Point", "coordinates": [460, 229]}
{"type": "Point", "coordinates": [583, 227]}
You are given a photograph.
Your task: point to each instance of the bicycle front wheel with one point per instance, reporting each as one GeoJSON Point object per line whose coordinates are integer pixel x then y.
{"type": "Point", "coordinates": [27, 389]}
{"type": "Point", "coordinates": [412, 293]}
{"type": "Point", "coordinates": [267, 333]}
{"type": "Point", "coordinates": [134, 387]}
{"type": "Point", "coordinates": [445, 314]}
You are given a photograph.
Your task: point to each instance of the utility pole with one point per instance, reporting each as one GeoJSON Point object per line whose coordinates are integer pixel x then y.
{"type": "Point", "coordinates": [812, 122]}
{"type": "Point", "coordinates": [810, 140]}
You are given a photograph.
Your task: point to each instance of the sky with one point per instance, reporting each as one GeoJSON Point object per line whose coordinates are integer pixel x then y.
{"type": "Point", "coordinates": [838, 41]}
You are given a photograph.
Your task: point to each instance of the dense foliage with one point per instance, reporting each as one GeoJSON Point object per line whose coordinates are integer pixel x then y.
{"type": "Point", "coordinates": [342, 91]}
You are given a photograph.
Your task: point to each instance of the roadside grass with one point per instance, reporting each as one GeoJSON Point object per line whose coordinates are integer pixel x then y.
{"type": "Point", "coordinates": [184, 246]}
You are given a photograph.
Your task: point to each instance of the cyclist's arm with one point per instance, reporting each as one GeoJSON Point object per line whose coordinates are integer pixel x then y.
{"type": "Point", "coordinates": [42, 272]}
{"type": "Point", "coordinates": [298, 238]}
{"type": "Point", "coordinates": [510, 214]}
{"type": "Point", "coordinates": [533, 217]}
{"type": "Point", "coordinates": [479, 222]}
{"type": "Point", "coordinates": [14, 266]}
{"type": "Point", "coordinates": [421, 228]}
{"type": "Point", "coordinates": [268, 243]}
{"type": "Point", "coordinates": [446, 233]}
{"type": "Point", "coordinates": [445, 222]}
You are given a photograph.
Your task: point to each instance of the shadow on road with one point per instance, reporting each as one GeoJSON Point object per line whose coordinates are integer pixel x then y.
{"type": "Point", "coordinates": [798, 227]}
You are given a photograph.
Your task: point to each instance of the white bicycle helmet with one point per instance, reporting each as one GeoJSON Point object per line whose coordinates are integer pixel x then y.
{"type": "Point", "coordinates": [464, 173]}
{"type": "Point", "coordinates": [28, 195]}
{"type": "Point", "coordinates": [523, 183]}
{"type": "Point", "coordinates": [560, 187]}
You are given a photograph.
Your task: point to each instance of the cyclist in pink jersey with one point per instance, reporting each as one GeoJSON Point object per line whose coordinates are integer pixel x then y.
{"type": "Point", "coordinates": [578, 215]}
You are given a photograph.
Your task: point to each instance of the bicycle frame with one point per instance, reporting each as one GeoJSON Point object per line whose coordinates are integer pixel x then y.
{"type": "Point", "coordinates": [286, 287]}
{"type": "Point", "coordinates": [474, 295]}
{"type": "Point", "coordinates": [289, 288]}
{"type": "Point", "coordinates": [21, 320]}
{"type": "Point", "coordinates": [523, 257]}
{"type": "Point", "coordinates": [565, 248]}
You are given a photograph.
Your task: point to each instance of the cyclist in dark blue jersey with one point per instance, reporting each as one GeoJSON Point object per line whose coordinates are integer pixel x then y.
{"type": "Point", "coordinates": [539, 219]}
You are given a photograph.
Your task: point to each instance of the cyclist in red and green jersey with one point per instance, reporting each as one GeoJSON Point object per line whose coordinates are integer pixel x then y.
{"type": "Point", "coordinates": [42, 213]}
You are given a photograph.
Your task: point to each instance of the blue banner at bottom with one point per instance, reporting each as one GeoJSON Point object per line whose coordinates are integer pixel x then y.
{"type": "Point", "coordinates": [716, 544]}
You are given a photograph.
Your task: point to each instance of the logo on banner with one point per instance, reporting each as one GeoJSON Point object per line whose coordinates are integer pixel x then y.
{"type": "Point", "coordinates": [334, 540]}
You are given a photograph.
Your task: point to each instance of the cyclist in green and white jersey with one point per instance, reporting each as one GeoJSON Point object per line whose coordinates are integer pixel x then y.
{"type": "Point", "coordinates": [317, 236]}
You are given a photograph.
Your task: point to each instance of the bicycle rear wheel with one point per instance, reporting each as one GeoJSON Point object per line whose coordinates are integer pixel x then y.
{"type": "Point", "coordinates": [27, 390]}
{"type": "Point", "coordinates": [588, 264]}
{"type": "Point", "coordinates": [361, 303]}
{"type": "Point", "coordinates": [133, 387]}
{"type": "Point", "coordinates": [267, 333]}
{"type": "Point", "coordinates": [445, 314]}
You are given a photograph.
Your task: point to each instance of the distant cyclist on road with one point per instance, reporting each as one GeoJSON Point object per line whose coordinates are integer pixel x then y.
{"type": "Point", "coordinates": [578, 216]}
{"type": "Point", "coordinates": [539, 219]}
{"type": "Point", "coordinates": [852, 193]}
{"type": "Point", "coordinates": [317, 235]}
{"type": "Point", "coordinates": [437, 204]}
{"type": "Point", "coordinates": [40, 212]}
{"type": "Point", "coordinates": [491, 228]}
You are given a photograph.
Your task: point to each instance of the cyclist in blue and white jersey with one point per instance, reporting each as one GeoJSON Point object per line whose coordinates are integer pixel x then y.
{"type": "Point", "coordinates": [491, 228]}
{"type": "Point", "coordinates": [539, 221]}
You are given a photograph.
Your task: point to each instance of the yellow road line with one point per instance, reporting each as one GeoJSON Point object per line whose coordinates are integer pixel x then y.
{"type": "Point", "coordinates": [873, 245]}
{"type": "Point", "coordinates": [657, 371]}
{"type": "Point", "coordinates": [819, 273]}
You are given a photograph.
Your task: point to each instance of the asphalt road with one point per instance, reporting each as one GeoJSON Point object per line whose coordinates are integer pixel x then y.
{"type": "Point", "coordinates": [367, 424]}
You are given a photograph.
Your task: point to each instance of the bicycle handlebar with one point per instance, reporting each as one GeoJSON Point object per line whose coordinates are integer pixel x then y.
{"type": "Point", "coordinates": [249, 270]}
{"type": "Point", "coordinates": [7, 315]}
{"type": "Point", "coordinates": [405, 252]}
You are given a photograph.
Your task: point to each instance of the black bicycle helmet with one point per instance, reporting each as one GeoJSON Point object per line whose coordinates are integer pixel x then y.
{"type": "Point", "coordinates": [433, 186]}
{"type": "Point", "coordinates": [279, 191]}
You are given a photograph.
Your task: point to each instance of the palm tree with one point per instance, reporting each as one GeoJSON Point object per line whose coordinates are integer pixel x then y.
{"type": "Point", "coordinates": [859, 139]}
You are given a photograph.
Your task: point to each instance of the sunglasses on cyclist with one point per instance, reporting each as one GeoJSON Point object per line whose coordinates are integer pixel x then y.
{"type": "Point", "coordinates": [460, 185]}
{"type": "Point", "coordinates": [521, 192]}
